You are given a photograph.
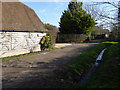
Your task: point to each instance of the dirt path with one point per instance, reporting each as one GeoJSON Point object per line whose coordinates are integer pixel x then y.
{"type": "Point", "coordinates": [35, 71]}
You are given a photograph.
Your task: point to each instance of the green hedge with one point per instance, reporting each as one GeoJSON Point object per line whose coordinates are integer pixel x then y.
{"type": "Point", "coordinates": [71, 38]}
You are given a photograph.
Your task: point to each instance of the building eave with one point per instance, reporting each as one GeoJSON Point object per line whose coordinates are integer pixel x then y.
{"type": "Point", "coordinates": [45, 31]}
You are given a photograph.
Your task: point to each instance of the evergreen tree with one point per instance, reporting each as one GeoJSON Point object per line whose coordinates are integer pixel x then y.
{"type": "Point", "coordinates": [76, 21]}
{"type": "Point", "coordinates": [74, 5]}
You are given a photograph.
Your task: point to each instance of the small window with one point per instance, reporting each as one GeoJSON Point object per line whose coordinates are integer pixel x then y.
{"type": "Point", "coordinates": [37, 35]}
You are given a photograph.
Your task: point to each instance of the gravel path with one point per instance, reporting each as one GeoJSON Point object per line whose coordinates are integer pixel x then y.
{"type": "Point", "coordinates": [35, 71]}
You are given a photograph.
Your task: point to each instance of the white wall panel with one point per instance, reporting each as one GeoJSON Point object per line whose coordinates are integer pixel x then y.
{"type": "Point", "coordinates": [15, 43]}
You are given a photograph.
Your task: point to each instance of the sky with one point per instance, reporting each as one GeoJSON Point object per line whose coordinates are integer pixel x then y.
{"type": "Point", "coordinates": [48, 12]}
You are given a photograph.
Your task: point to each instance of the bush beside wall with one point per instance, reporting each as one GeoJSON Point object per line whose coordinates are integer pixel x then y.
{"type": "Point", "coordinates": [52, 31]}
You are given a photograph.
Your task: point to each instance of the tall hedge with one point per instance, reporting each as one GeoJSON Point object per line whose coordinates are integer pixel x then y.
{"type": "Point", "coordinates": [71, 38]}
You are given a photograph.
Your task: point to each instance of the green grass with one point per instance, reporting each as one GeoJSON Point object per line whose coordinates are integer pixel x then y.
{"type": "Point", "coordinates": [24, 55]}
{"type": "Point", "coordinates": [108, 73]}
{"type": "Point", "coordinates": [111, 42]}
{"type": "Point", "coordinates": [67, 76]}
{"type": "Point", "coordinates": [18, 56]}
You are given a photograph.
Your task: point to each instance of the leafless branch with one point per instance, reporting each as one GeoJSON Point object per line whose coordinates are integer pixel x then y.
{"type": "Point", "coordinates": [104, 12]}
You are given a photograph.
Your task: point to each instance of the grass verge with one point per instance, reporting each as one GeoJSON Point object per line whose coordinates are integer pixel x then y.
{"type": "Point", "coordinates": [24, 55]}
{"type": "Point", "coordinates": [69, 74]}
{"type": "Point", "coordinates": [108, 73]}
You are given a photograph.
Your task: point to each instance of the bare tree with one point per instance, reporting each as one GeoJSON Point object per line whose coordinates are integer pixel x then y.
{"type": "Point", "coordinates": [106, 13]}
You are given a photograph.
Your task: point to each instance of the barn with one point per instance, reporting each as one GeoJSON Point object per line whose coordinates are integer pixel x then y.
{"type": "Point", "coordinates": [21, 29]}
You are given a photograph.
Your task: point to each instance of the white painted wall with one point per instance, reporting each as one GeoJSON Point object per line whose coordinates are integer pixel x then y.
{"type": "Point", "coordinates": [15, 43]}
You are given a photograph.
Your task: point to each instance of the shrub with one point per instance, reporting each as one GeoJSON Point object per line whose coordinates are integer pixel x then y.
{"type": "Point", "coordinates": [45, 42]}
{"type": "Point", "coordinates": [52, 31]}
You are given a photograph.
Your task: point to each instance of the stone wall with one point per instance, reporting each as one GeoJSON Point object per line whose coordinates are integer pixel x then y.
{"type": "Point", "coordinates": [15, 43]}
